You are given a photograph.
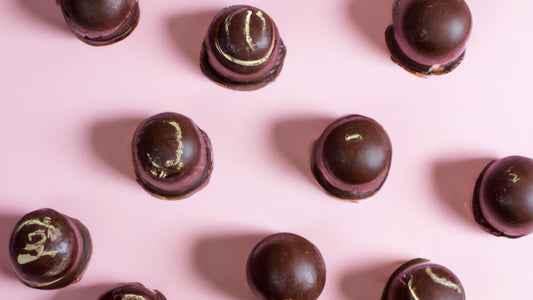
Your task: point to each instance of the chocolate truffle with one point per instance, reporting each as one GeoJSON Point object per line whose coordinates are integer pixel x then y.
{"type": "Point", "coordinates": [421, 279]}
{"type": "Point", "coordinates": [172, 157]}
{"type": "Point", "coordinates": [132, 291]}
{"type": "Point", "coordinates": [352, 157]}
{"type": "Point", "coordinates": [242, 49]}
{"type": "Point", "coordinates": [49, 250]}
{"type": "Point", "coordinates": [286, 266]}
{"type": "Point", "coordinates": [100, 22]}
{"type": "Point", "coordinates": [429, 36]}
{"type": "Point", "coordinates": [503, 197]}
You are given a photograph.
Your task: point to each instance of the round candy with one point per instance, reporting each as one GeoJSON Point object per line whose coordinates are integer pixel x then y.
{"type": "Point", "coordinates": [132, 291]}
{"type": "Point", "coordinates": [242, 49]}
{"type": "Point", "coordinates": [421, 279]}
{"type": "Point", "coordinates": [286, 266]}
{"type": "Point", "coordinates": [503, 197]}
{"type": "Point", "coordinates": [429, 36]}
{"type": "Point", "coordinates": [352, 157]}
{"type": "Point", "coordinates": [172, 157]}
{"type": "Point", "coordinates": [49, 250]}
{"type": "Point", "coordinates": [101, 22]}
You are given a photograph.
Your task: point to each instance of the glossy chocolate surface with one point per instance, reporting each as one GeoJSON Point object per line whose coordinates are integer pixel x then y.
{"type": "Point", "coordinates": [429, 36]}
{"type": "Point", "coordinates": [503, 197]}
{"type": "Point", "coordinates": [171, 155]}
{"type": "Point", "coordinates": [286, 266]}
{"type": "Point", "coordinates": [242, 49]}
{"type": "Point", "coordinates": [49, 250]}
{"type": "Point", "coordinates": [132, 291]}
{"type": "Point", "coordinates": [421, 279]}
{"type": "Point", "coordinates": [101, 22]}
{"type": "Point", "coordinates": [352, 157]}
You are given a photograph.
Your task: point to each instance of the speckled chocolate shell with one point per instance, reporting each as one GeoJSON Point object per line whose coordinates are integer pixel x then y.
{"type": "Point", "coordinates": [286, 266]}
{"type": "Point", "coordinates": [49, 250]}
{"type": "Point", "coordinates": [242, 49]}
{"type": "Point", "coordinates": [132, 291]}
{"type": "Point", "coordinates": [100, 22]}
{"type": "Point", "coordinates": [503, 197]}
{"type": "Point", "coordinates": [352, 157]}
{"type": "Point", "coordinates": [428, 37]}
{"type": "Point", "coordinates": [421, 279]}
{"type": "Point", "coordinates": [172, 157]}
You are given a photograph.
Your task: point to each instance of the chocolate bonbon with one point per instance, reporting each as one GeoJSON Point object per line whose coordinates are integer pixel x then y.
{"type": "Point", "coordinates": [49, 250]}
{"type": "Point", "coordinates": [132, 291]}
{"type": "Point", "coordinates": [286, 266]}
{"type": "Point", "coordinates": [429, 36]}
{"type": "Point", "coordinates": [172, 157]}
{"type": "Point", "coordinates": [421, 279]}
{"type": "Point", "coordinates": [352, 157]}
{"type": "Point", "coordinates": [100, 22]}
{"type": "Point", "coordinates": [242, 49]}
{"type": "Point", "coordinates": [503, 197]}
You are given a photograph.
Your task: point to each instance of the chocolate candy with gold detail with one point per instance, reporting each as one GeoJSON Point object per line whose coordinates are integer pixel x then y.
{"type": "Point", "coordinates": [429, 36]}
{"type": "Point", "coordinates": [421, 279]}
{"type": "Point", "coordinates": [242, 49]}
{"type": "Point", "coordinates": [503, 197]}
{"type": "Point", "coordinates": [49, 250]}
{"type": "Point", "coordinates": [352, 157]}
{"type": "Point", "coordinates": [172, 157]}
{"type": "Point", "coordinates": [132, 291]}
{"type": "Point", "coordinates": [100, 22]}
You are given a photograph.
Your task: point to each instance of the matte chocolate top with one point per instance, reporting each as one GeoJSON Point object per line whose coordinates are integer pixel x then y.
{"type": "Point", "coordinates": [506, 195]}
{"type": "Point", "coordinates": [100, 21]}
{"type": "Point", "coordinates": [286, 266]}
{"type": "Point", "coordinates": [132, 291]}
{"type": "Point", "coordinates": [172, 156]}
{"type": "Point", "coordinates": [46, 248]}
{"type": "Point", "coordinates": [421, 279]}
{"type": "Point", "coordinates": [432, 32]}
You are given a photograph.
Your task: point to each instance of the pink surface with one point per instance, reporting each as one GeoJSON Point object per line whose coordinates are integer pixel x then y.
{"type": "Point", "coordinates": [69, 111]}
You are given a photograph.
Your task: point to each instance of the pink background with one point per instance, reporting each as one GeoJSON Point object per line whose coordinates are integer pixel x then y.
{"type": "Point", "coordinates": [69, 111]}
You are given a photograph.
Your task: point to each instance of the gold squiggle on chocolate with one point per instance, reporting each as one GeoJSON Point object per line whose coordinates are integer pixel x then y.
{"type": "Point", "coordinates": [40, 236]}
{"type": "Point", "coordinates": [249, 41]}
{"type": "Point", "coordinates": [443, 281]}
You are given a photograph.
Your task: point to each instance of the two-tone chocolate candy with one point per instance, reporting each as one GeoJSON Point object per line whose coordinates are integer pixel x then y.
{"type": "Point", "coordinates": [242, 49]}
{"type": "Point", "coordinates": [100, 22]}
{"type": "Point", "coordinates": [172, 156]}
{"type": "Point", "coordinates": [429, 36]}
{"type": "Point", "coordinates": [49, 250]}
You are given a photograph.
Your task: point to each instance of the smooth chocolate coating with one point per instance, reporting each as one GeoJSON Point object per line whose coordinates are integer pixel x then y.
{"type": "Point", "coordinates": [286, 266]}
{"type": "Point", "coordinates": [49, 250]}
{"type": "Point", "coordinates": [429, 36]}
{"type": "Point", "coordinates": [242, 49]}
{"type": "Point", "coordinates": [132, 291]}
{"type": "Point", "coordinates": [421, 279]}
{"type": "Point", "coordinates": [503, 197]}
{"type": "Point", "coordinates": [352, 157]}
{"type": "Point", "coordinates": [171, 156]}
{"type": "Point", "coordinates": [101, 22]}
